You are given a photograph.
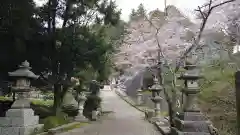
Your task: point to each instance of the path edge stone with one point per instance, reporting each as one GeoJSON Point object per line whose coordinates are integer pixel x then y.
{"type": "Point", "coordinates": [60, 129]}
{"type": "Point", "coordinates": [162, 130]}
{"type": "Point", "coordinates": [131, 102]}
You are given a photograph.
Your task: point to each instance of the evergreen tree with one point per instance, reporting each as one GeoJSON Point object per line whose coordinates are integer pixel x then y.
{"type": "Point", "coordinates": [133, 14]}
{"type": "Point", "coordinates": [141, 11]}
{"type": "Point", "coordinates": [31, 33]}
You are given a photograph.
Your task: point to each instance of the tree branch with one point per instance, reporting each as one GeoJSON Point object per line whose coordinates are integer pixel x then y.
{"type": "Point", "coordinates": [204, 21]}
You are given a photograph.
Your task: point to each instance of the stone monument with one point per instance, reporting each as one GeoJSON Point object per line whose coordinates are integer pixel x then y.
{"type": "Point", "coordinates": [139, 97]}
{"type": "Point", "coordinates": [20, 119]}
{"type": "Point", "coordinates": [95, 87]}
{"type": "Point", "coordinates": [69, 104]}
{"type": "Point", "coordinates": [156, 89]}
{"type": "Point", "coordinates": [190, 121]}
{"type": "Point", "coordinates": [81, 99]}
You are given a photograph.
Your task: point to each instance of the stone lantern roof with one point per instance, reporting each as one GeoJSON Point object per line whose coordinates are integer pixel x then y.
{"type": "Point", "coordinates": [192, 72]}
{"type": "Point", "coordinates": [157, 99]}
{"type": "Point", "coordinates": [23, 71]}
{"type": "Point", "coordinates": [189, 65]}
{"type": "Point", "coordinates": [156, 86]}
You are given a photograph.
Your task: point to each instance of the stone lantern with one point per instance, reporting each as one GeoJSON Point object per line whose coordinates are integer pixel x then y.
{"type": "Point", "coordinates": [156, 89]}
{"type": "Point", "coordinates": [190, 120]}
{"type": "Point", "coordinates": [20, 119]}
{"type": "Point", "coordinates": [191, 88]}
{"type": "Point", "coordinates": [139, 97]}
{"type": "Point", "coordinates": [95, 87]}
{"type": "Point", "coordinates": [23, 76]}
{"type": "Point", "coordinates": [81, 99]}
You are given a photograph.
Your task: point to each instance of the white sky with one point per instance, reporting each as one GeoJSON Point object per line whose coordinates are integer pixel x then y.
{"type": "Point", "coordinates": [186, 6]}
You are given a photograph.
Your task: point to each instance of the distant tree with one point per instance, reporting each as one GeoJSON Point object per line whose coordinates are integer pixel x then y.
{"type": "Point", "coordinates": [133, 14]}
{"type": "Point", "coordinates": [141, 11]}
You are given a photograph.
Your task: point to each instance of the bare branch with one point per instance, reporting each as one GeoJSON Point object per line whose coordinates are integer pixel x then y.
{"type": "Point", "coordinates": [202, 14]}
{"type": "Point", "coordinates": [220, 4]}
{"type": "Point", "coordinates": [204, 21]}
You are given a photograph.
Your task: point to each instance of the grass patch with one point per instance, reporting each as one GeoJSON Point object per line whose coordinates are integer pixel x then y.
{"type": "Point", "coordinates": [146, 92]}
{"type": "Point", "coordinates": [55, 121]}
{"type": "Point", "coordinates": [217, 99]}
{"type": "Point", "coordinates": [164, 113]}
{"type": "Point", "coordinates": [77, 125]}
{"type": "Point", "coordinates": [42, 102]}
{"type": "Point", "coordinates": [2, 98]}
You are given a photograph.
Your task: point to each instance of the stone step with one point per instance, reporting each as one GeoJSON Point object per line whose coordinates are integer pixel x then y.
{"type": "Point", "coordinates": [192, 126]}
{"type": "Point", "coordinates": [192, 116]}
{"type": "Point", "coordinates": [18, 121]}
{"type": "Point", "coordinates": [195, 133]}
{"type": "Point", "coordinates": [175, 131]}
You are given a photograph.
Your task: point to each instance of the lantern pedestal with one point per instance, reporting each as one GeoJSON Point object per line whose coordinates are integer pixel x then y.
{"type": "Point", "coordinates": [19, 122]}
{"type": "Point", "coordinates": [139, 97]}
{"type": "Point", "coordinates": [20, 119]}
{"type": "Point", "coordinates": [80, 117]}
{"type": "Point", "coordinates": [190, 121]}
{"type": "Point", "coordinates": [21, 103]}
{"type": "Point", "coordinates": [22, 100]}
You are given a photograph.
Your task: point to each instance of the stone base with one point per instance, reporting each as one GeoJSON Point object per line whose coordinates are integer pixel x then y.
{"type": "Point", "coordinates": [19, 122]}
{"type": "Point", "coordinates": [81, 118]}
{"type": "Point", "coordinates": [28, 130]}
{"type": "Point", "coordinates": [95, 115]}
{"type": "Point", "coordinates": [191, 123]}
{"type": "Point", "coordinates": [160, 120]}
{"type": "Point", "coordinates": [149, 114]}
{"type": "Point", "coordinates": [175, 131]}
{"type": "Point", "coordinates": [21, 104]}
{"type": "Point", "coordinates": [192, 126]}
{"type": "Point", "coordinates": [192, 116]}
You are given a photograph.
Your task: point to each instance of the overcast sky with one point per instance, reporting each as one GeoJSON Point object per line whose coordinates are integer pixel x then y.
{"type": "Point", "coordinates": [186, 6]}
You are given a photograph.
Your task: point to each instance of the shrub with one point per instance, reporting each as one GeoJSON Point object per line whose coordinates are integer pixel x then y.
{"type": "Point", "coordinates": [92, 103]}
{"type": "Point", "coordinates": [55, 121]}
{"type": "Point", "coordinates": [70, 110]}
{"type": "Point", "coordinates": [42, 111]}
{"type": "Point", "coordinates": [39, 102]}
{"type": "Point", "coordinates": [2, 98]}
{"type": "Point", "coordinates": [41, 108]}
{"type": "Point", "coordinates": [5, 104]}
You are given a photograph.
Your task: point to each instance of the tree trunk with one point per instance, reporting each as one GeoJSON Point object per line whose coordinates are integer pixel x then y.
{"type": "Point", "coordinates": [57, 99]}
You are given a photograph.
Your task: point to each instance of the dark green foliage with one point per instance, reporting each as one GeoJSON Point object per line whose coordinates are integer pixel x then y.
{"type": "Point", "coordinates": [92, 103]}
{"type": "Point", "coordinates": [32, 33]}
{"type": "Point", "coordinates": [42, 111]}
{"type": "Point", "coordinates": [133, 14]}
{"type": "Point", "coordinates": [41, 108]}
{"type": "Point", "coordinates": [138, 13]}
{"type": "Point", "coordinates": [141, 11]}
{"type": "Point", "coordinates": [20, 35]}
{"type": "Point", "coordinates": [70, 110]}
{"type": "Point", "coordinates": [55, 121]}
{"type": "Point", "coordinates": [24, 36]}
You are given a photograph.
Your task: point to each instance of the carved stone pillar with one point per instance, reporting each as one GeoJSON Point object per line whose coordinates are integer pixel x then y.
{"type": "Point", "coordinates": [80, 117]}
{"type": "Point", "coordinates": [190, 121]}
{"type": "Point", "coordinates": [139, 97]}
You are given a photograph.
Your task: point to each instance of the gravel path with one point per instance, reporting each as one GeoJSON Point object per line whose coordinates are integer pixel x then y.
{"type": "Point", "coordinates": [125, 119]}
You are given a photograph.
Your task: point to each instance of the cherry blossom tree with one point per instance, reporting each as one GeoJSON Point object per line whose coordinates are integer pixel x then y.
{"type": "Point", "coordinates": [167, 38]}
